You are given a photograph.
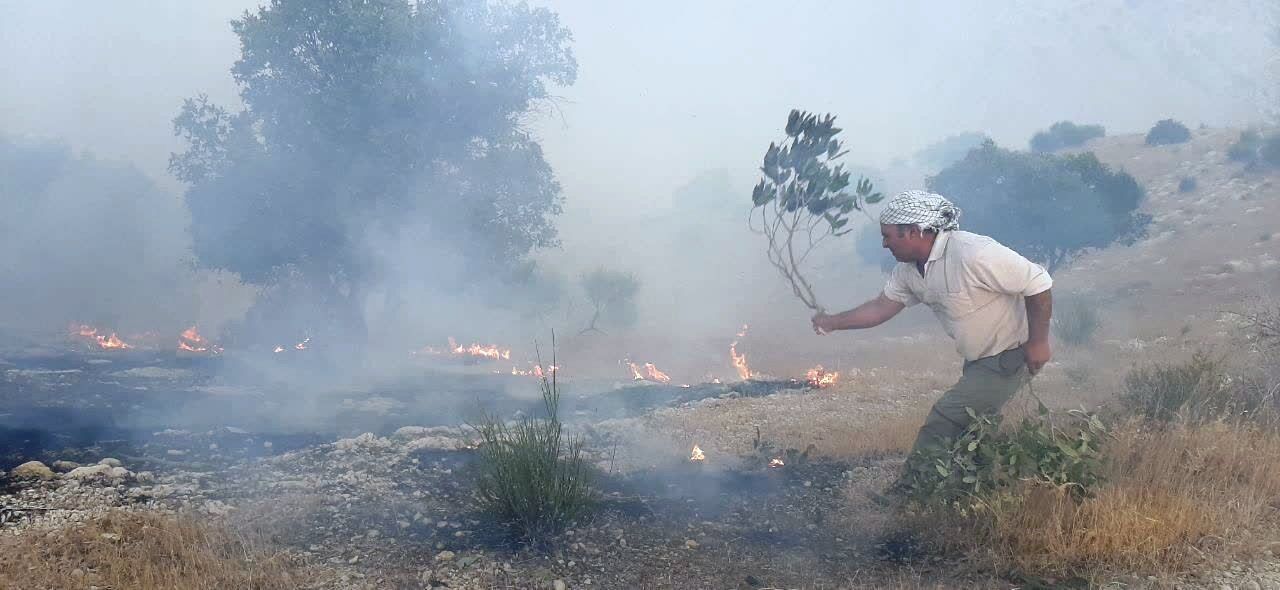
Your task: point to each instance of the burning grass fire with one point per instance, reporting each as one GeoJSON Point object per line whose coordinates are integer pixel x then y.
{"type": "Point", "coordinates": [740, 360]}
{"type": "Point", "coordinates": [485, 351]}
{"type": "Point", "coordinates": [819, 378]}
{"type": "Point", "coordinates": [696, 456]}
{"type": "Point", "coordinates": [650, 373]}
{"type": "Point", "coordinates": [91, 335]}
{"type": "Point", "coordinates": [191, 341]}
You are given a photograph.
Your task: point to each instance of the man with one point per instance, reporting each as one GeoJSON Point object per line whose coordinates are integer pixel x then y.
{"type": "Point", "coordinates": [994, 302]}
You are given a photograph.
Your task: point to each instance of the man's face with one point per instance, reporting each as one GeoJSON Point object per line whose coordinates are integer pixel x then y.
{"type": "Point", "coordinates": [903, 242]}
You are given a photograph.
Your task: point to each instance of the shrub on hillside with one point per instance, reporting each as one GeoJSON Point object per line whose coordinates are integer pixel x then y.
{"type": "Point", "coordinates": [1045, 206]}
{"type": "Point", "coordinates": [532, 478]}
{"type": "Point", "coordinates": [1187, 184]}
{"type": "Point", "coordinates": [1199, 389]}
{"type": "Point", "coordinates": [1075, 320]}
{"type": "Point", "coordinates": [1168, 131]}
{"type": "Point", "coordinates": [1245, 149]}
{"type": "Point", "coordinates": [1065, 134]}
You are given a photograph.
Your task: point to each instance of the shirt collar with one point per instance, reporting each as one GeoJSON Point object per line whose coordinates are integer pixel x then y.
{"type": "Point", "coordinates": [939, 245]}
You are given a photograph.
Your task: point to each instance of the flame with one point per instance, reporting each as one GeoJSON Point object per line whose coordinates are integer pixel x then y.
{"type": "Point", "coordinates": [776, 463]}
{"type": "Point", "coordinates": [302, 345]}
{"type": "Point", "coordinates": [820, 378]}
{"type": "Point", "coordinates": [696, 455]}
{"type": "Point", "coordinates": [490, 352]}
{"type": "Point", "coordinates": [111, 342]}
{"type": "Point", "coordinates": [656, 375]}
{"type": "Point", "coordinates": [651, 373]}
{"type": "Point", "coordinates": [278, 349]}
{"type": "Point", "coordinates": [191, 341]}
{"type": "Point", "coordinates": [740, 360]}
{"type": "Point", "coordinates": [536, 371]}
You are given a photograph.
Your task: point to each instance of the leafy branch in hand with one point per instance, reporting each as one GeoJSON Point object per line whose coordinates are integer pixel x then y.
{"type": "Point", "coordinates": [802, 201]}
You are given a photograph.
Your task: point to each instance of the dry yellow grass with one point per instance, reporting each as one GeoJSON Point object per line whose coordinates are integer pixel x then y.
{"type": "Point", "coordinates": [1177, 497]}
{"type": "Point", "coordinates": [143, 551]}
{"type": "Point", "coordinates": [890, 435]}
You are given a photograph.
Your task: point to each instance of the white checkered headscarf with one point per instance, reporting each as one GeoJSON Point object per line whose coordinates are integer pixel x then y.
{"type": "Point", "coordinates": [922, 209]}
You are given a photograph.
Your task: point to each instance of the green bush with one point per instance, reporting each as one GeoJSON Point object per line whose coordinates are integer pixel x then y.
{"type": "Point", "coordinates": [1065, 134]}
{"type": "Point", "coordinates": [1194, 389]}
{"type": "Point", "coordinates": [1075, 320]}
{"type": "Point", "coordinates": [1168, 131]}
{"type": "Point", "coordinates": [986, 460]}
{"type": "Point", "coordinates": [1246, 148]}
{"type": "Point", "coordinates": [532, 478]}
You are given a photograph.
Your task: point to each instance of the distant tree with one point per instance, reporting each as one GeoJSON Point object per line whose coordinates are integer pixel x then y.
{"type": "Point", "coordinates": [612, 295]}
{"type": "Point", "coordinates": [1064, 134]}
{"type": "Point", "coordinates": [83, 239]}
{"type": "Point", "coordinates": [1168, 131]}
{"type": "Point", "coordinates": [950, 149]}
{"type": "Point", "coordinates": [374, 114]}
{"type": "Point", "coordinates": [1047, 207]}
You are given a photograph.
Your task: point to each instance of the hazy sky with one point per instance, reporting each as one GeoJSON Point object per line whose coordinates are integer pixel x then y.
{"type": "Point", "coordinates": [669, 89]}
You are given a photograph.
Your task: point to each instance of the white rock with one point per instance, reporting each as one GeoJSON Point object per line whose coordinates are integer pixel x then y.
{"type": "Point", "coordinates": [32, 470]}
{"type": "Point", "coordinates": [444, 556]}
{"type": "Point", "coordinates": [559, 585]}
{"type": "Point", "coordinates": [110, 462]}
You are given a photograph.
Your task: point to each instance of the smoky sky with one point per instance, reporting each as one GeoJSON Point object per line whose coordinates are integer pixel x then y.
{"type": "Point", "coordinates": [669, 93]}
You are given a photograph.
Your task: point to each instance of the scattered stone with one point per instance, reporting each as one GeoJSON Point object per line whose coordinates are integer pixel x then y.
{"type": "Point", "coordinates": [32, 470]}
{"type": "Point", "coordinates": [444, 556]}
{"type": "Point", "coordinates": [690, 543]}
{"type": "Point", "coordinates": [111, 462]}
{"type": "Point", "coordinates": [65, 466]}
{"type": "Point", "coordinates": [559, 585]}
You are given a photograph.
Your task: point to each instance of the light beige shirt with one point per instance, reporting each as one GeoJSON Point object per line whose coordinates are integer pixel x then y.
{"type": "Point", "coordinates": [976, 286]}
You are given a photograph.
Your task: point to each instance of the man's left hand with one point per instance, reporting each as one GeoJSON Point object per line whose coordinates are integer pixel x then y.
{"type": "Point", "coordinates": [1037, 355]}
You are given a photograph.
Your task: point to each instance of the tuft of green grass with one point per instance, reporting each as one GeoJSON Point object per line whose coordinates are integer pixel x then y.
{"type": "Point", "coordinates": [532, 477]}
{"type": "Point", "coordinates": [1076, 320]}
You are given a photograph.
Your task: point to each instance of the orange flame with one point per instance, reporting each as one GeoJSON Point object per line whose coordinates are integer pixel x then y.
{"type": "Point", "coordinates": [776, 463]}
{"type": "Point", "coordinates": [820, 378]}
{"type": "Point", "coordinates": [696, 455]}
{"type": "Point", "coordinates": [636, 375]}
{"type": "Point", "coordinates": [740, 360]}
{"type": "Point", "coordinates": [111, 342]}
{"type": "Point", "coordinates": [278, 349]}
{"type": "Point", "coordinates": [302, 345]}
{"type": "Point", "coordinates": [655, 374]}
{"type": "Point", "coordinates": [191, 341]}
{"type": "Point", "coordinates": [490, 352]}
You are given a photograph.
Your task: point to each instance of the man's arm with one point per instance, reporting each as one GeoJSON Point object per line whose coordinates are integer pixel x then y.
{"type": "Point", "coordinates": [869, 314]}
{"type": "Point", "coordinates": [1039, 311]}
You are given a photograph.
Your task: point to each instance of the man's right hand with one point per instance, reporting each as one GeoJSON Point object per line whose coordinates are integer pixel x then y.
{"type": "Point", "coordinates": [822, 323]}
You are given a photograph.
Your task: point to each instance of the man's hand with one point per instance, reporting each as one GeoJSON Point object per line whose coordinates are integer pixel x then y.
{"type": "Point", "coordinates": [1037, 352]}
{"type": "Point", "coordinates": [822, 323]}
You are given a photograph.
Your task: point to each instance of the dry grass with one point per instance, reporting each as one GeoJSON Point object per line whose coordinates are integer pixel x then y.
{"type": "Point", "coordinates": [143, 551]}
{"type": "Point", "coordinates": [890, 435]}
{"type": "Point", "coordinates": [1178, 497]}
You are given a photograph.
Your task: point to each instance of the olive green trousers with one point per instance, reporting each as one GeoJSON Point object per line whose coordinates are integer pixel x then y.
{"type": "Point", "coordinates": [985, 385]}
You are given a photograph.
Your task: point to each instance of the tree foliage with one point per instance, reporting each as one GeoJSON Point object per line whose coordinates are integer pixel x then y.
{"type": "Point", "coordinates": [1045, 206]}
{"type": "Point", "coordinates": [1168, 131]}
{"type": "Point", "coordinates": [612, 295]}
{"type": "Point", "coordinates": [369, 115]}
{"type": "Point", "coordinates": [802, 200]}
